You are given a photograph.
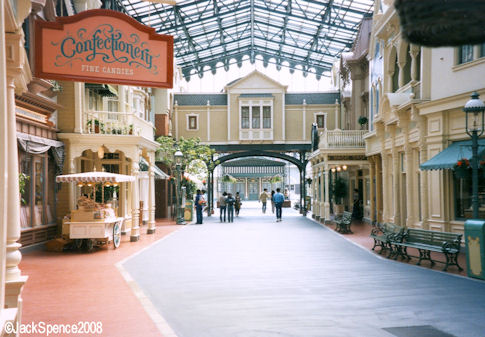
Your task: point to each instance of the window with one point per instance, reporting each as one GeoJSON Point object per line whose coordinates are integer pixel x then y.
{"type": "Point", "coordinates": [266, 117]}
{"type": "Point", "coordinates": [192, 123]}
{"type": "Point", "coordinates": [465, 54]}
{"type": "Point", "coordinates": [245, 117]}
{"type": "Point", "coordinates": [321, 121]}
{"type": "Point", "coordinates": [256, 117]}
{"type": "Point", "coordinates": [463, 196]}
{"type": "Point", "coordinates": [482, 50]}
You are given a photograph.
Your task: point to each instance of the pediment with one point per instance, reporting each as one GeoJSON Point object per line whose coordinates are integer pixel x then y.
{"type": "Point", "coordinates": [255, 81]}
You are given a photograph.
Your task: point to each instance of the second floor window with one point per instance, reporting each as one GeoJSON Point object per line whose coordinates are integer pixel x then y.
{"type": "Point", "coordinates": [321, 121]}
{"type": "Point", "coordinates": [192, 123]}
{"type": "Point", "coordinates": [256, 117]}
{"type": "Point", "coordinates": [465, 54]}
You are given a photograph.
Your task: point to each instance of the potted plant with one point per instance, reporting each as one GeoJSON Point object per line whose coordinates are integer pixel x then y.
{"type": "Point", "coordinates": [98, 126]}
{"type": "Point", "coordinates": [339, 193]}
{"type": "Point", "coordinates": [461, 168]}
{"type": "Point", "coordinates": [363, 121]}
{"type": "Point", "coordinates": [130, 129]}
{"type": "Point", "coordinates": [23, 178]}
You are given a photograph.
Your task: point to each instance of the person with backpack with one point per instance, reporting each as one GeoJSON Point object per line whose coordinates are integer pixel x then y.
{"type": "Point", "coordinates": [263, 197]}
{"type": "Point", "coordinates": [278, 199]}
{"type": "Point", "coordinates": [222, 206]}
{"type": "Point", "coordinates": [230, 201]}
{"type": "Point", "coordinates": [199, 206]}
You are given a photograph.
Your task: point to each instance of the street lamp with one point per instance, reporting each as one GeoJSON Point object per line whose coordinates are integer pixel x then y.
{"type": "Point", "coordinates": [178, 156]}
{"type": "Point", "coordinates": [474, 112]}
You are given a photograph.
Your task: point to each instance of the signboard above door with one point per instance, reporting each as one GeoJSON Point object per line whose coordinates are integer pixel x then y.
{"type": "Point", "coordinates": [103, 46]}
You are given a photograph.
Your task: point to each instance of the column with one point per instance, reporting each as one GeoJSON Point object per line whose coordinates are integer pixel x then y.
{"type": "Point", "coordinates": [372, 173]}
{"type": "Point", "coordinates": [410, 186]}
{"type": "Point", "coordinates": [327, 192]}
{"type": "Point", "coordinates": [135, 204]}
{"type": "Point", "coordinates": [79, 97]}
{"type": "Point", "coordinates": [314, 195]}
{"type": "Point", "coordinates": [4, 160]}
{"type": "Point", "coordinates": [401, 65]}
{"type": "Point", "coordinates": [414, 51]}
{"type": "Point", "coordinates": [423, 156]}
{"type": "Point", "coordinates": [321, 213]}
{"type": "Point", "coordinates": [151, 200]}
{"type": "Point", "coordinates": [385, 188]}
{"type": "Point", "coordinates": [379, 206]}
{"type": "Point", "coordinates": [395, 187]}
{"type": "Point", "coordinates": [246, 196]}
{"type": "Point", "coordinates": [14, 279]}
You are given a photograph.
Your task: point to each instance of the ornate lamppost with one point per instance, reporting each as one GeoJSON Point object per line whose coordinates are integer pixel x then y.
{"type": "Point", "coordinates": [474, 111]}
{"type": "Point", "coordinates": [178, 157]}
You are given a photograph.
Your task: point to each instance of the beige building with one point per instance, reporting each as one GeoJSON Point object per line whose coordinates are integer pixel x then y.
{"type": "Point", "coordinates": [416, 129]}
{"type": "Point", "coordinates": [254, 109]}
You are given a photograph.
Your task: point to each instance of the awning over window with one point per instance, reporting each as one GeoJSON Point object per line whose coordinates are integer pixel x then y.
{"type": "Point", "coordinates": [159, 174]}
{"type": "Point", "coordinates": [448, 158]}
{"type": "Point", "coordinates": [102, 89]}
{"type": "Point", "coordinates": [37, 145]}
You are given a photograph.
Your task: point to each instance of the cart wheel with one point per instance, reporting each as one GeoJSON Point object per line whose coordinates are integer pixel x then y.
{"type": "Point", "coordinates": [116, 234]}
{"type": "Point", "coordinates": [88, 245]}
{"type": "Point", "coordinates": [78, 243]}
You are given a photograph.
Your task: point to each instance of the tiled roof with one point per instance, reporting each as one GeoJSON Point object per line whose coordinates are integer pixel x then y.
{"type": "Point", "coordinates": [312, 98]}
{"type": "Point", "coordinates": [253, 162]}
{"type": "Point", "coordinates": [257, 95]}
{"type": "Point", "coordinates": [200, 99]}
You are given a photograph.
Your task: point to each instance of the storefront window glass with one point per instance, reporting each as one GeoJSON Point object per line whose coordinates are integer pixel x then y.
{"type": "Point", "coordinates": [463, 196]}
{"type": "Point", "coordinates": [38, 218]}
{"type": "Point", "coordinates": [256, 116]}
{"type": "Point", "coordinates": [266, 117]}
{"type": "Point", "coordinates": [245, 117]}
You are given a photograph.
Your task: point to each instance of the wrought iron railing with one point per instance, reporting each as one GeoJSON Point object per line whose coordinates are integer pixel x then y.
{"type": "Point", "coordinates": [342, 139]}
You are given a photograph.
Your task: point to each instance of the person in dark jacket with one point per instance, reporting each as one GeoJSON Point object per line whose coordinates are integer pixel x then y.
{"type": "Point", "coordinates": [278, 199]}
{"type": "Point", "coordinates": [222, 206]}
{"type": "Point", "coordinates": [199, 206]}
{"type": "Point", "coordinates": [230, 201]}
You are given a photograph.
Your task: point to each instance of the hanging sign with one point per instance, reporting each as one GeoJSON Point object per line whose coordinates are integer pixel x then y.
{"type": "Point", "coordinates": [103, 46]}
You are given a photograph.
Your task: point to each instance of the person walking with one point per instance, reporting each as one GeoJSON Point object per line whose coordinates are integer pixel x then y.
{"type": "Point", "coordinates": [222, 205]}
{"type": "Point", "coordinates": [272, 201]}
{"type": "Point", "coordinates": [199, 206]}
{"type": "Point", "coordinates": [263, 197]}
{"type": "Point", "coordinates": [230, 202]}
{"type": "Point", "coordinates": [278, 199]}
{"type": "Point", "coordinates": [238, 203]}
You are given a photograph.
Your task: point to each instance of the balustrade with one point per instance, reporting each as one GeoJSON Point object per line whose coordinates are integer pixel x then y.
{"type": "Point", "coordinates": [342, 139]}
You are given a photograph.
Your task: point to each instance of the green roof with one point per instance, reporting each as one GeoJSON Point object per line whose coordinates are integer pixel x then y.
{"type": "Point", "coordinates": [252, 162]}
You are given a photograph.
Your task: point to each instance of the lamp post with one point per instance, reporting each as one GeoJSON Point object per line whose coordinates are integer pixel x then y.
{"type": "Point", "coordinates": [474, 112]}
{"type": "Point", "coordinates": [178, 156]}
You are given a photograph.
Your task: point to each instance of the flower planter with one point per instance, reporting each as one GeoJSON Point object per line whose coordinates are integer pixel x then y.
{"type": "Point", "coordinates": [461, 172]}
{"type": "Point", "coordinates": [435, 23]}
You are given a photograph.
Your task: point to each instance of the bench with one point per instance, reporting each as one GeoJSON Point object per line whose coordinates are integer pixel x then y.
{"type": "Point", "coordinates": [426, 241]}
{"type": "Point", "coordinates": [384, 234]}
{"type": "Point", "coordinates": [343, 223]}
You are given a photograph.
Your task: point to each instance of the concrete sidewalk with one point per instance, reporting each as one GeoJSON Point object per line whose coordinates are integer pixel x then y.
{"type": "Point", "coordinates": [256, 277]}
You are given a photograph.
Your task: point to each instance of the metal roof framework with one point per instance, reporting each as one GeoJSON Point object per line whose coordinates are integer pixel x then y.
{"type": "Point", "coordinates": [306, 35]}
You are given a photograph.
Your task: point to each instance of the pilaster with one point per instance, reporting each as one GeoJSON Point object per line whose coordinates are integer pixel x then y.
{"type": "Point", "coordinates": [151, 200]}
{"type": "Point", "coordinates": [135, 204]}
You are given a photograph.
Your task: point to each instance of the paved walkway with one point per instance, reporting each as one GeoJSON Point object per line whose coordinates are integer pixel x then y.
{"type": "Point", "coordinates": [256, 277]}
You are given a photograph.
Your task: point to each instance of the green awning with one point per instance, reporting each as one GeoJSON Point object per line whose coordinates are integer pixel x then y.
{"type": "Point", "coordinates": [102, 89]}
{"type": "Point", "coordinates": [448, 158]}
{"type": "Point", "coordinates": [159, 174]}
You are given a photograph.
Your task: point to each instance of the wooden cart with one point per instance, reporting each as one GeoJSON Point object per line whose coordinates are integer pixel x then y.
{"type": "Point", "coordinates": [95, 233]}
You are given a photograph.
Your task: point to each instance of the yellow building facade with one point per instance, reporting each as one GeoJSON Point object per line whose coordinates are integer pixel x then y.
{"type": "Point", "coordinates": [414, 110]}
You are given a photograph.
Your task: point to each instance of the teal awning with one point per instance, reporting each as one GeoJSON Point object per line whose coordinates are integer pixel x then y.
{"type": "Point", "coordinates": [448, 158]}
{"type": "Point", "coordinates": [102, 89]}
{"type": "Point", "coordinates": [159, 174]}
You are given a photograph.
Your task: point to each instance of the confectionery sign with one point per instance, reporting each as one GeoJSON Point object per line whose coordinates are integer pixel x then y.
{"type": "Point", "coordinates": [103, 46]}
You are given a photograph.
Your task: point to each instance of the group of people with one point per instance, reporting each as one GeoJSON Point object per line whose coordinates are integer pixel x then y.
{"type": "Point", "coordinates": [228, 204]}
{"type": "Point", "coordinates": [277, 199]}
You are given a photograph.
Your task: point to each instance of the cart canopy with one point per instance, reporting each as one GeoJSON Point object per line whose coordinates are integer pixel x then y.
{"type": "Point", "coordinates": [94, 177]}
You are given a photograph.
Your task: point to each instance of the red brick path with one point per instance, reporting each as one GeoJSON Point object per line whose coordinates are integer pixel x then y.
{"type": "Point", "coordinates": [68, 287]}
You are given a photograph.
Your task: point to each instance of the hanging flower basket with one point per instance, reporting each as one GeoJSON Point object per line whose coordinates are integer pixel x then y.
{"type": "Point", "coordinates": [436, 23]}
{"type": "Point", "coordinates": [462, 168]}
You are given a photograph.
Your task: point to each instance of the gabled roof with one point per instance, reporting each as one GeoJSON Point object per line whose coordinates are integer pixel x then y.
{"type": "Point", "coordinates": [200, 99]}
{"type": "Point", "coordinates": [210, 34]}
{"type": "Point", "coordinates": [254, 73]}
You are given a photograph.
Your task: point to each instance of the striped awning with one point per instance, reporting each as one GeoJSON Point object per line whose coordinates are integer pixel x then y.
{"type": "Point", "coordinates": [94, 177]}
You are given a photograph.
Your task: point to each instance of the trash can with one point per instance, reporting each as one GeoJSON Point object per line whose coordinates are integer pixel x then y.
{"type": "Point", "coordinates": [189, 210]}
{"type": "Point", "coordinates": [475, 248]}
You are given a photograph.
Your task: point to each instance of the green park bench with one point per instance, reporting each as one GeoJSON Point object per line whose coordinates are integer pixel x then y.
{"type": "Point", "coordinates": [426, 241]}
{"type": "Point", "coordinates": [343, 222]}
{"type": "Point", "coordinates": [384, 234]}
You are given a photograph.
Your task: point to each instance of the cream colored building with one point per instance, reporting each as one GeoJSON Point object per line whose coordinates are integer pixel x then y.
{"type": "Point", "coordinates": [254, 109]}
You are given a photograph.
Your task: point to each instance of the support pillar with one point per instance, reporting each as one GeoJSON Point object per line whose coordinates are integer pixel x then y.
{"type": "Point", "coordinates": [410, 189]}
{"type": "Point", "coordinates": [151, 200]}
{"type": "Point", "coordinates": [4, 160]}
{"type": "Point", "coordinates": [135, 204]}
{"type": "Point", "coordinates": [385, 188]}
{"type": "Point", "coordinates": [321, 212]}
{"type": "Point", "coordinates": [379, 214]}
{"type": "Point", "coordinates": [372, 173]}
{"type": "Point", "coordinates": [327, 193]}
{"type": "Point", "coordinates": [395, 187]}
{"type": "Point", "coordinates": [14, 281]}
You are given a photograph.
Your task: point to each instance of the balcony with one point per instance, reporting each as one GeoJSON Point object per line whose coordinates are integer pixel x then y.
{"type": "Point", "coordinates": [116, 123]}
{"type": "Point", "coordinates": [342, 139]}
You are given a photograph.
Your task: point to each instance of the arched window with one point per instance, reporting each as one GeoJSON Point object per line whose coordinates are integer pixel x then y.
{"type": "Point", "coordinates": [395, 74]}
{"type": "Point", "coordinates": [407, 66]}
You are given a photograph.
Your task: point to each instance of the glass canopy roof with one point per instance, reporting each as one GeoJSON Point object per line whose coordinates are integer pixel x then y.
{"type": "Point", "coordinates": [209, 34]}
